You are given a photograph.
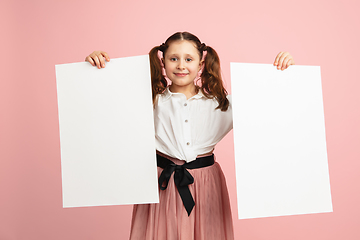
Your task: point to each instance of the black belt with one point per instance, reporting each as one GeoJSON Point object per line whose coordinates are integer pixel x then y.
{"type": "Point", "coordinates": [182, 177]}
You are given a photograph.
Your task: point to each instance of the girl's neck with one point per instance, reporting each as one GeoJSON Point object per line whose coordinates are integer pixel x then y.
{"type": "Point", "coordinates": [188, 91]}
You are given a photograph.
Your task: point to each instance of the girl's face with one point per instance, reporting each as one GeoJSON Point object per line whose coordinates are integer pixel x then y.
{"type": "Point", "coordinates": [182, 63]}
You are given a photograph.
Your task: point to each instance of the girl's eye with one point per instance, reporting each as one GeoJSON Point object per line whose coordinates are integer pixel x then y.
{"type": "Point", "coordinates": [188, 59]}
{"type": "Point", "coordinates": [173, 59]}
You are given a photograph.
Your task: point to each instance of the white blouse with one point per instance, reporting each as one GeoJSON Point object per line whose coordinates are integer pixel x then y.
{"type": "Point", "coordinates": [186, 128]}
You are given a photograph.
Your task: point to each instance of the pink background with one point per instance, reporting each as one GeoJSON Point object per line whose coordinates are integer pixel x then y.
{"type": "Point", "coordinates": [36, 35]}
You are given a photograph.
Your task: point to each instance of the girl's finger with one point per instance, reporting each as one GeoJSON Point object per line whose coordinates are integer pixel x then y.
{"type": "Point", "coordinates": [281, 60]}
{"type": "Point", "coordinates": [101, 59]}
{"type": "Point", "coordinates": [276, 62]}
{"type": "Point", "coordinates": [89, 59]}
{"type": "Point", "coordinates": [96, 60]}
{"type": "Point", "coordinates": [107, 58]}
{"type": "Point", "coordinates": [290, 62]}
{"type": "Point", "coordinates": [286, 63]}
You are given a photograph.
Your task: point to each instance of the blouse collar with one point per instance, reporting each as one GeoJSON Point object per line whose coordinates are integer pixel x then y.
{"type": "Point", "coordinates": [167, 94]}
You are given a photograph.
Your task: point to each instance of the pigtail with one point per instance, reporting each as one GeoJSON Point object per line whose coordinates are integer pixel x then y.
{"type": "Point", "coordinates": [158, 82]}
{"type": "Point", "coordinates": [211, 81]}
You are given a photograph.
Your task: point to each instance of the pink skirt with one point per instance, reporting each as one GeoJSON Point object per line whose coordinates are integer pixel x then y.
{"type": "Point", "coordinates": [210, 219]}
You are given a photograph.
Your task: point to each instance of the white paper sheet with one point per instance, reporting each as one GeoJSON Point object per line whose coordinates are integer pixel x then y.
{"type": "Point", "coordinates": [279, 137]}
{"type": "Point", "coordinates": [107, 133]}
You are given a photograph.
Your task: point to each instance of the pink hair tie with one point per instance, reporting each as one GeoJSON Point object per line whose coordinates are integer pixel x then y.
{"type": "Point", "coordinates": [204, 56]}
{"type": "Point", "coordinates": [161, 56]}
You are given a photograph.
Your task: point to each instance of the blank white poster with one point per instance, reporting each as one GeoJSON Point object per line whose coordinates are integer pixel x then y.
{"type": "Point", "coordinates": [279, 138]}
{"type": "Point", "coordinates": [107, 136]}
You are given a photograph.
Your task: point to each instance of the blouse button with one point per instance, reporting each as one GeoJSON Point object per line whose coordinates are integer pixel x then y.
{"type": "Point", "coordinates": [188, 143]}
{"type": "Point", "coordinates": [186, 120]}
{"type": "Point", "coordinates": [185, 104]}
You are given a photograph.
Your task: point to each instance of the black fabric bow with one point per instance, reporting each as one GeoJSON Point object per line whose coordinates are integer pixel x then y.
{"type": "Point", "coordinates": [182, 177]}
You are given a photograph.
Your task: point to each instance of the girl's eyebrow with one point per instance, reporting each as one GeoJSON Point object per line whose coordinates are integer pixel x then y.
{"type": "Point", "coordinates": [186, 55]}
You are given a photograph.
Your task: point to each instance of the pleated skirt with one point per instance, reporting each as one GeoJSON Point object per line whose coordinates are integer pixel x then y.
{"type": "Point", "coordinates": [210, 219]}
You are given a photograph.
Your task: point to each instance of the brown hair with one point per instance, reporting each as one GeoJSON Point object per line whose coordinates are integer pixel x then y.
{"type": "Point", "coordinates": [211, 81]}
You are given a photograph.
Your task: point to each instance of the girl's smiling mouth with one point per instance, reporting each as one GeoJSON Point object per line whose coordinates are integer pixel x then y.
{"type": "Point", "coordinates": [181, 74]}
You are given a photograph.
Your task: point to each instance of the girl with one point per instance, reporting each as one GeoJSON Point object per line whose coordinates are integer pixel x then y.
{"type": "Point", "coordinates": [191, 116]}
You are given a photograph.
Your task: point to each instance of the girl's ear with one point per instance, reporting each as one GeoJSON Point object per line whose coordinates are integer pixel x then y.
{"type": "Point", "coordinates": [163, 62]}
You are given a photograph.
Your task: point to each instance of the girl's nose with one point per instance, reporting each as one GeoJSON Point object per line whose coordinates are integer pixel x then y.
{"type": "Point", "coordinates": [181, 65]}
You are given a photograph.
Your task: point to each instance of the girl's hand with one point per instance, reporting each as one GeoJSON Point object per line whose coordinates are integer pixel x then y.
{"type": "Point", "coordinates": [97, 58]}
{"type": "Point", "coordinates": [283, 60]}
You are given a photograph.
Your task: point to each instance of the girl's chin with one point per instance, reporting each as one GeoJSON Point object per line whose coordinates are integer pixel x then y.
{"type": "Point", "coordinates": [182, 86]}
